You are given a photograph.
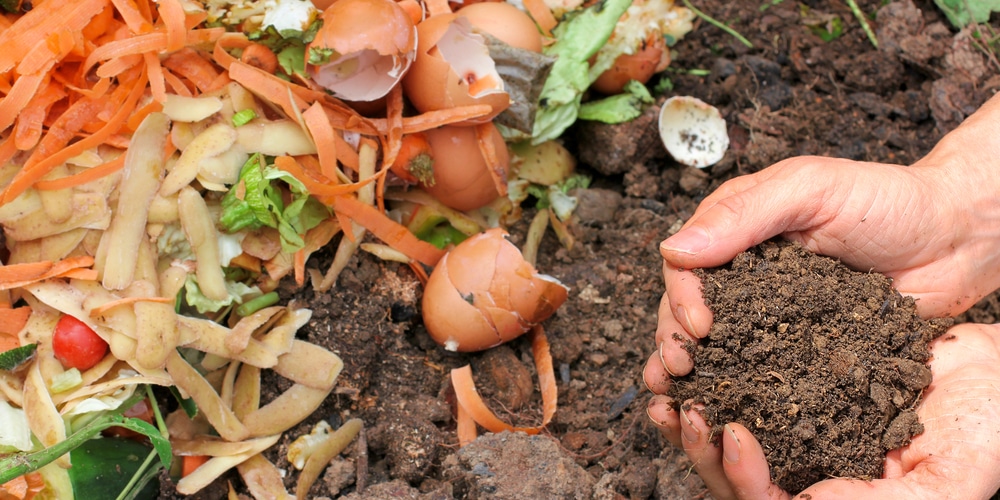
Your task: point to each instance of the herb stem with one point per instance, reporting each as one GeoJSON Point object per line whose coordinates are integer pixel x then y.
{"type": "Point", "coordinates": [719, 24]}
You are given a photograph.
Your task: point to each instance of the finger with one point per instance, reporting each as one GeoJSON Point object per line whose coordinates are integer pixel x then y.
{"type": "Point", "coordinates": [655, 374]}
{"type": "Point", "coordinates": [753, 211]}
{"type": "Point", "coordinates": [661, 412]}
{"type": "Point", "coordinates": [685, 301]}
{"type": "Point", "coordinates": [673, 352]}
{"type": "Point", "coordinates": [746, 466]}
{"type": "Point", "coordinates": [697, 441]}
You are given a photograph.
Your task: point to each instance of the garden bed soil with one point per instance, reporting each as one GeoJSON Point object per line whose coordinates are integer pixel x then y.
{"type": "Point", "coordinates": [791, 94]}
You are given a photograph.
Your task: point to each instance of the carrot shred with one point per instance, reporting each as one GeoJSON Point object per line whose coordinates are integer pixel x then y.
{"type": "Point", "coordinates": [411, 147]}
{"type": "Point", "coordinates": [176, 84]}
{"type": "Point", "coordinates": [389, 231]}
{"type": "Point", "coordinates": [132, 16]}
{"type": "Point", "coordinates": [151, 107]}
{"type": "Point", "coordinates": [299, 266]}
{"type": "Point", "coordinates": [35, 170]}
{"type": "Point", "coordinates": [269, 86]}
{"type": "Point", "coordinates": [111, 304]}
{"type": "Point", "coordinates": [322, 134]}
{"type": "Point", "coordinates": [435, 119]}
{"type": "Point", "coordinates": [8, 149]}
{"type": "Point", "coordinates": [12, 321]}
{"type": "Point", "coordinates": [28, 129]}
{"type": "Point", "coordinates": [44, 54]}
{"type": "Point", "coordinates": [466, 426]}
{"type": "Point", "coordinates": [17, 275]}
{"type": "Point", "coordinates": [189, 463]}
{"type": "Point", "coordinates": [89, 175]}
{"type": "Point", "coordinates": [157, 86]}
{"type": "Point", "coordinates": [39, 22]}
{"type": "Point", "coordinates": [319, 188]}
{"type": "Point", "coordinates": [20, 95]}
{"type": "Point", "coordinates": [188, 64]}
{"type": "Point", "coordinates": [469, 399]}
{"type": "Point", "coordinates": [172, 15]}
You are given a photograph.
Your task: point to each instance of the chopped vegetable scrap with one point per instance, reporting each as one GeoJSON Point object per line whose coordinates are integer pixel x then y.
{"type": "Point", "coordinates": [165, 164]}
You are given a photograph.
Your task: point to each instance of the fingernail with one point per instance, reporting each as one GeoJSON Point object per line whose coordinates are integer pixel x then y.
{"type": "Point", "coordinates": [731, 450]}
{"type": "Point", "coordinates": [685, 318]}
{"type": "Point", "coordinates": [690, 434]}
{"type": "Point", "coordinates": [656, 401]}
{"type": "Point", "coordinates": [690, 241]}
{"type": "Point", "coordinates": [663, 361]}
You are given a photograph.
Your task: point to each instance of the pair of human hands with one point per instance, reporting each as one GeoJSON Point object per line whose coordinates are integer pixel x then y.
{"type": "Point", "coordinates": [934, 228]}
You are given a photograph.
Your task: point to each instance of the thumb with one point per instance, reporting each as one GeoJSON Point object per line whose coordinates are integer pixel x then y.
{"type": "Point", "coordinates": [748, 210]}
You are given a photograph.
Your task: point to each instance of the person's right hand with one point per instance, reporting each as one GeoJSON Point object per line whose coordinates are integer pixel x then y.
{"type": "Point", "coordinates": [934, 228]}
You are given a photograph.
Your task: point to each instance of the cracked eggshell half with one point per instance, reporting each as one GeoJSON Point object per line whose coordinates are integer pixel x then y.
{"type": "Point", "coordinates": [453, 68]}
{"type": "Point", "coordinates": [693, 132]}
{"type": "Point", "coordinates": [368, 45]}
{"type": "Point", "coordinates": [483, 293]}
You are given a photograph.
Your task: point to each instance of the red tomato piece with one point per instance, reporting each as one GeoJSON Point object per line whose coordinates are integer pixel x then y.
{"type": "Point", "coordinates": [76, 345]}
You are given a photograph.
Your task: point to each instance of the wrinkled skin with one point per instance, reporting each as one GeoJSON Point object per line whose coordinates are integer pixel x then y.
{"type": "Point", "coordinates": [934, 228]}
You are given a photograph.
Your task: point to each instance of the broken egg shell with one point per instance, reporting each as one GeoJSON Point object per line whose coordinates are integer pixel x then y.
{"type": "Point", "coordinates": [461, 177]}
{"type": "Point", "coordinates": [640, 66]}
{"type": "Point", "coordinates": [373, 44]}
{"type": "Point", "coordinates": [505, 22]}
{"type": "Point", "coordinates": [453, 68]}
{"type": "Point", "coordinates": [483, 293]}
{"type": "Point", "coordinates": [693, 132]}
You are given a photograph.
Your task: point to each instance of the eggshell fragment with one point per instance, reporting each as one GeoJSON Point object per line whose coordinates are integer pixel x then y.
{"type": "Point", "coordinates": [453, 68]}
{"type": "Point", "coordinates": [483, 293]}
{"type": "Point", "coordinates": [693, 132]}
{"type": "Point", "coordinates": [506, 22]}
{"type": "Point", "coordinates": [461, 178]}
{"type": "Point", "coordinates": [640, 66]}
{"type": "Point", "coordinates": [370, 43]}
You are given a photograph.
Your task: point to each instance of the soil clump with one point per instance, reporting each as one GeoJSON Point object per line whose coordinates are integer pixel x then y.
{"type": "Point", "coordinates": [823, 364]}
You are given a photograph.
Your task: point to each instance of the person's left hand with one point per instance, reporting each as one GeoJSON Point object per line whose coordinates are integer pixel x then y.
{"type": "Point", "coordinates": [957, 455]}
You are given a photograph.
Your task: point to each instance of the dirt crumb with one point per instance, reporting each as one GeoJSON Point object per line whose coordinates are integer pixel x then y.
{"type": "Point", "coordinates": [823, 364]}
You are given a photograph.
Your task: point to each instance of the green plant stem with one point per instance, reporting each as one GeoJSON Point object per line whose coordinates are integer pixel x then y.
{"type": "Point", "coordinates": [864, 22]}
{"type": "Point", "coordinates": [718, 24]}
{"type": "Point", "coordinates": [133, 484]}
{"type": "Point", "coordinates": [19, 464]}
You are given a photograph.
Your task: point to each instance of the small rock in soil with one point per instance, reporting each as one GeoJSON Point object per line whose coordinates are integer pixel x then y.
{"type": "Point", "coordinates": [823, 364]}
{"type": "Point", "coordinates": [516, 466]}
{"type": "Point", "coordinates": [505, 376]}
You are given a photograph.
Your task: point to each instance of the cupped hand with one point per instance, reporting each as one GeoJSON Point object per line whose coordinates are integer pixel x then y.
{"type": "Point", "coordinates": [957, 455]}
{"type": "Point", "coordinates": [934, 227]}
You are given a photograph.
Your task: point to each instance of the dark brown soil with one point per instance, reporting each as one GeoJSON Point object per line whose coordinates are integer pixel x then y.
{"type": "Point", "coordinates": [824, 364]}
{"type": "Point", "coordinates": [792, 93]}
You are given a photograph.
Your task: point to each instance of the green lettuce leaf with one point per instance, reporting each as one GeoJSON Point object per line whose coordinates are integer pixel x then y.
{"type": "Point", "coordinates": [577, 39]}
{"type": "Point", "coordinates": [257, 200]}
{"type": "Point", "coordinates": [238, 292]}
{"type": "Point", "coordinates": [618, 108]}
{"type": "Point", "coordinates": [961, 12]}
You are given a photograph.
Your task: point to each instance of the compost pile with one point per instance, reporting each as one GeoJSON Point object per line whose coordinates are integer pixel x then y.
{"type": "Point", "coordinates": [823, 364]}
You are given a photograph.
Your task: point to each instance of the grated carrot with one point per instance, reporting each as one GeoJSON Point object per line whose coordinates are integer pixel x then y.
{"type": "Point", "coordinates": [323, 134]}
{"type": "Point", "coordinates": [172, 15]}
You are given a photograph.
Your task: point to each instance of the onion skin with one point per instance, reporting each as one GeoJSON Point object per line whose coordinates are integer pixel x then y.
{"type": "Point", "coordinates": [483, 293]}
{"type": "Point", "coordinates": [641, 66]}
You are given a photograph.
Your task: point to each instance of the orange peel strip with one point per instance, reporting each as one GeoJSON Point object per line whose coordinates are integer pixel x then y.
{"type": "Point", "coordinates": [470, 401]}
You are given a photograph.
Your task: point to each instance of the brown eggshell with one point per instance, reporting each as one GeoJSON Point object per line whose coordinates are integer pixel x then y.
{"type": "Point", "coordinates": [461, 178]}
{"type": "Point", "coordinates": [506, 22]}
{"type": "Point", "coordinates": [483, 293]}
{"type": "Point", "coordinates": [451, 320]}
{"type": "Point", "coordinates": [432, 84]}
{"type": "Point", "coordinates": [641, 66]}
{"type": "Point", "coordinates": [377, 34]}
